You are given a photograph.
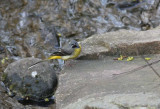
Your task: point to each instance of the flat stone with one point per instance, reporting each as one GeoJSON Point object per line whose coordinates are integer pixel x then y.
{"type": "Point", "coordinates": [118, 101]}
{"type": "Point", "coordinates": [108, 84]}
{"type": "Point", "coordinates": [36, 83]}
{"type": "Point", "coordinates": [125, 42]}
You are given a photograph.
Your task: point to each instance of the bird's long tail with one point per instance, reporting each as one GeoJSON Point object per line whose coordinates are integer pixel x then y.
{"type": "Point", "coordinates": [50, 58]}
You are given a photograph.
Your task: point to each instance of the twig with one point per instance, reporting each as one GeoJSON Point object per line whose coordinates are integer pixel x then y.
{"type": "Point", "coordinates": [138, 68]}
{"type": "Point", "coordinates": [36, 63]}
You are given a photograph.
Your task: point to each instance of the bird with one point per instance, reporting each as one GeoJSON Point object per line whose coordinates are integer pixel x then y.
{"type": "Point", "coordinates": [70, 50]}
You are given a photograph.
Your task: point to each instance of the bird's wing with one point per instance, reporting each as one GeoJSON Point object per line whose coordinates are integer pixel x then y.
{"type": "Point", "coordinates": [66, 50]}
{"type": "Point", "coordinates": [59, 53]}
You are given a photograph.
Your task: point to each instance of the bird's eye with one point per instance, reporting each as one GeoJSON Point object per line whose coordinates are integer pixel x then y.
{"type": "Point", "coordinates": [74, 46]}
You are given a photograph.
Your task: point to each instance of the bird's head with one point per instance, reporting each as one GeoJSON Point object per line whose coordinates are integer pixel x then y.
{"type": "Point", "coordinates": [74, 44]}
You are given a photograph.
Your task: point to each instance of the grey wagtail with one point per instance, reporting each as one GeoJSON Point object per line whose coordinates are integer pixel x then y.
{"type": "Point", "coordinates": [69, 51]}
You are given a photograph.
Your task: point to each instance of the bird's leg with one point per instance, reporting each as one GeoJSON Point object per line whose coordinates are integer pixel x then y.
{"type": "Point", "coordinates": [70, 63]}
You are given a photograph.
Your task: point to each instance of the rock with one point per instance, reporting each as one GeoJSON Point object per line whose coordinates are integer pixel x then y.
{"type": "Point", "coordinates": [122, 42]}
{"type": "Point", "coordinates": [9, 103]}
{"type": "Point", "coordinates": [37, 83]}
{"type": "Point", "coordinates": [101, 84]}
{"type": "Point", "coordinates": [2, 50]}
{"type": "Point", "coordinates": [118, 101]}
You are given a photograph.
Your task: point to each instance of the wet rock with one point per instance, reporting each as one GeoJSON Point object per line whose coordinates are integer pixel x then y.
{"type": "Point", "coordinates": [12, 50]}
{"type": "Point", "coordinates": [145, 16]}
{"type": "Point", "coordinates": [2, 50]}
{"type": "Point", "coordinates": [126, 5]}
{"type": "Point", "coordinates": [145, 27]}
{"type": "Point", "coordinates": [126, 20]}
{"type": "Point", "coordinates": [125, 42]}
{"type": "Point", "coordinates": [7, 102]}
{"type": "Point", "coordinates": [37, 83]}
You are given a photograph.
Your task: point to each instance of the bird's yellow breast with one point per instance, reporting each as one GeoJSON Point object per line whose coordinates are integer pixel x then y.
{"type": "Point", "coordinates": [76, 52]}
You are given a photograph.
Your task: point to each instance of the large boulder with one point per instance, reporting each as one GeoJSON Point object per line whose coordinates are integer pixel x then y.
{"type": "Point", "coordinates": [36, 83]}
{"type": "Point", "coordinates": [122, 42]}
